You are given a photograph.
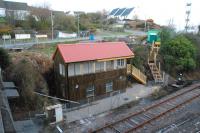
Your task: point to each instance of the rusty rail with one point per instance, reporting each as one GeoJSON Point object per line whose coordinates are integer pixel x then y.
{"type": "Point", "coordinates": [188, 89]}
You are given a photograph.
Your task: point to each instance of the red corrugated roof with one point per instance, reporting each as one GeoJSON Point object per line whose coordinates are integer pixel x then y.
{"type": "Point", "coordinates": [93, 51]}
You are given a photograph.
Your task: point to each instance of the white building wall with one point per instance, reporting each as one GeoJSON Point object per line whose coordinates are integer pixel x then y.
{"type": "Point", "coordinates": [2, 12]}
{"type": "Point", "coordinates": [59, 114]}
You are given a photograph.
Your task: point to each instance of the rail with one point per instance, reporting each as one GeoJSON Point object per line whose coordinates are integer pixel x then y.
{"type": "Point", "coordinates": [161, 108]}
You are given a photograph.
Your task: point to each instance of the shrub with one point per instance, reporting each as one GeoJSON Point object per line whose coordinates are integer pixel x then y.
{"type": "Point", "coordinates": [178, 54]}
{"type": "Point", "coordinates": [4, 58]}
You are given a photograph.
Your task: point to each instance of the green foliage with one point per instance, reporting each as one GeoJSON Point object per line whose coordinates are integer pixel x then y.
{"type": "Point", "coordinates": [4, 58]}
{"type": "Point", "coordinates": [167, 34]}
{"type": "Point", "coordinates": [178, 54]}
{"type": "Point", "coordinates": [140, 58]}
{"type": "Point", "coordinates": [65, 23]}
{"type": "Point", "coordinates": [196, 41]}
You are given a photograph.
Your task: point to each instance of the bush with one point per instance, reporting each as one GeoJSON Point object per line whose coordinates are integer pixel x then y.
{"type": "Point", "coordinates": [29, 80]}
{"type": "Point", "coordinates": [140, 59]}
{"type": "Point", "coordinates": [178, 54]}
{"type": "Point", "coordinates": [4, 58]}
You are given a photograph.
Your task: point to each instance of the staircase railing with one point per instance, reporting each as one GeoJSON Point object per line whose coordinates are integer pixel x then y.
{"type": "Point", "coordinates": [136, 73]}
{"type": "Point", "coordinates": [152, 61]}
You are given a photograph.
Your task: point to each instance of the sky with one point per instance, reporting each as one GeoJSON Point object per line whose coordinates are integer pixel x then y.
{"type": "Point", "coordinates": [161, 11]}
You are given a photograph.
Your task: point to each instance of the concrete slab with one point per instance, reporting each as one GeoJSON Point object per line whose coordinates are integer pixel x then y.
{"type": "Point", "coordinates": [109, 103]}
{"type": "Point", "coordinates": [26, 126]}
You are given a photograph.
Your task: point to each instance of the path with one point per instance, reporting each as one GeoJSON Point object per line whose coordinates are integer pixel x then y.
{"type": "Point", "coordinates": [106, 104]}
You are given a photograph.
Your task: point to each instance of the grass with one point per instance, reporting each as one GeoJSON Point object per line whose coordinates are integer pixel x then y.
{"type": "Point", "coordinates": [48, 49]}
{"type": "Point", "coordinates": [111, 33]}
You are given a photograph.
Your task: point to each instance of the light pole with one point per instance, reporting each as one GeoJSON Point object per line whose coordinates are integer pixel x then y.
{"type": "Point", "coordinates": [51, 24]}
{"type": "Point", "coordinates": [78, 24]}
{"type": "Point", "coordinates": [78, 13]}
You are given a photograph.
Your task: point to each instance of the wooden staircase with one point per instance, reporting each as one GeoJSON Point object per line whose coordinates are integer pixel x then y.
{"type": "Point", "coordinates": [136, 73]}
{"type": "Point", "coordinates": [152, 62]}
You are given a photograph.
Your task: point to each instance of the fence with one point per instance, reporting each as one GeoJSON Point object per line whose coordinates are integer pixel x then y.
{"type": "Point", "coordinates": [89, 101]}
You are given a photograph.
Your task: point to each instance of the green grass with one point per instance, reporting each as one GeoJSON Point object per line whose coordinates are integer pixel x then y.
{"type": "Point", "coordinates": [48, 49]}
{"type": "Point", "coordinates": [110, 33]}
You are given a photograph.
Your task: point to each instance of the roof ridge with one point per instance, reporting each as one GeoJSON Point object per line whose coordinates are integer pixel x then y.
{"type": "Point", "coordinates": [92, 43]}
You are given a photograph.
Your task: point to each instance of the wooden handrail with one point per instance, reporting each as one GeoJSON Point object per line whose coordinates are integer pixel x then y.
{"type": "Point", "coordinates": [137, 73]}
{"type": "Point", "coordinates": [155, 68]}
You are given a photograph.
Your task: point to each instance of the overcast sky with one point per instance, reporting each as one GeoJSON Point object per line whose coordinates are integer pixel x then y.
{"type": "Point", "coordinates": [159, 10]}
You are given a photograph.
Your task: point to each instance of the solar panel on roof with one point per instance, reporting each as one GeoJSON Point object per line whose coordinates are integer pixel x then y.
{"type": "Point", "coordinates": [114, 11]}
{"type": "Point", "coordinates": [127, 12]}
{"type": "Point", "coordinates": [120, 11]}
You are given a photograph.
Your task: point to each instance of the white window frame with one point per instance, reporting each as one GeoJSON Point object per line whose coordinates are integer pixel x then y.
{"type": "Point", "coordinates": [120, 63]}
{"type": "Point", "coordinates": [79, 69]}
{"type": "Point", "coordinates": [85, 67]}
{"type": "Point", "coordinates": [61, 69]}
{"type": "Point", "coordinates": [109, 87]}
{"type": "Point", "coordinates": [71, 72]}
{"type": "Point", "coordinates": [110, 67]}
{"type": "Point", "coordinates": [101, 66]}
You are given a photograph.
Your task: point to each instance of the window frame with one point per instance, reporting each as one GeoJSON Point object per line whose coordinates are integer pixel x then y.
{"type": "Point", "coordinates": [109, 87]}
{"type": "Point", "coordinates": [71, 65]}
{"type": "Point", "coordinates": [75, 72]}
{"type": "Point", "coordinates": [61, 69]}
{"type": "Point", "coordinates": [110, 65]}
{"type": "Point", "coordinates": [101, 68]}
{"type": "Point", "coordinates": [90, 89]}
{"type": "Point", "coordinates": [121, 63]}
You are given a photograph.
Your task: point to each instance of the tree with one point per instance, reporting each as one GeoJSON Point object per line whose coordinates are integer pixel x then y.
{"type": "Point", "coordinates": [4, 58]}
{"type": "Point", "coordinates": [64, 22]}
{"type": "Point", "coordinates": [178, 54]}
{"type": "Point", "coordinates": [42, 16]}
{"type": "Point", "coordinates": [166, 34]}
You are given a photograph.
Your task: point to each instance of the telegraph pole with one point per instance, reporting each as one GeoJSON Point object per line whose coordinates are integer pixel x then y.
{"type": "Point", "coordinates": [78, 24]}
{"type": "Point", "coordinates": [51, 24]}
{"type": "Point", "coordinates": [78, 13]}
{"type": "Point", "coordinates": [188, 11]}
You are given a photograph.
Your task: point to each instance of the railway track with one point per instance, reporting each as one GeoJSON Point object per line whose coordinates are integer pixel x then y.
{"type": "Point", "coordinates": [145, 116]}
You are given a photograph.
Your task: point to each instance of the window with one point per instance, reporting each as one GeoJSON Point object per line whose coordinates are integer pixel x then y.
{"type": "Point", "coordinates": [62, 69]}
{"type": "Point", "coordinates": [121, 63]}
{"type": "Point", "coordinates": [71, 70]}
{"type": "Point", "coordinates": [77, 69]}
{"type": "Point", "coordinates": [109, 65]}
{"type": "Point", "coordinates": [90, 91]}
{"type": "Point", "coordinates": [99, 66]}
{"type": "Point", "coordinates": [109, 87]}
{"type": "Point", "coordinates": [91, 67]}
{"type": "Point", "coordinates": [85, 68]}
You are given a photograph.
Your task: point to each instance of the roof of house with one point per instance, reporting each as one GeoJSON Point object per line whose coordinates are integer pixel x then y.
{"type": "Point", "coordinates": [15, 5]}
{"type": "Point", "coordinates": [11, 93]}
{"type": "Point", "coordinates": [93, 51]}
{"type": "Point", "coordinates": [8, 85]}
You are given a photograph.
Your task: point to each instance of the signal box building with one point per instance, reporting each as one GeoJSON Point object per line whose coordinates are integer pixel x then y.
{"type": "Point", "coordinates": [90, 70]}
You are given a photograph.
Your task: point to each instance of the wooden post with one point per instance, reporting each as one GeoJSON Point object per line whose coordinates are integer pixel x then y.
{"type": "Point", "coordinates": [81, 68]}
{"type": "Point", "coordinates": [154, 58]}
{"type": "Point", "coordinates": [159, 66]}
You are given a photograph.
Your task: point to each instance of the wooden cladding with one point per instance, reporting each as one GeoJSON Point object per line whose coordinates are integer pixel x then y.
{"type": "Point", "coordinates": [99, 81]}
